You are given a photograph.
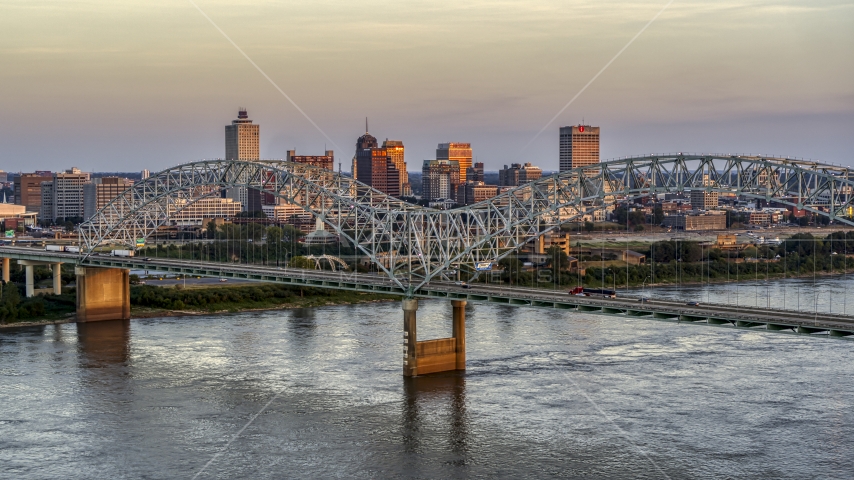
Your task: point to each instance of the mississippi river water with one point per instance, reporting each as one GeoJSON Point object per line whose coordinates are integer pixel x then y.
{"type": "Point", "coordinates": [546, 394]}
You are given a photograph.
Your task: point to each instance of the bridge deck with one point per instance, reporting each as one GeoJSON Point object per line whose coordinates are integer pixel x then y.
{"type": "Point", "coordinates": [787, 321]}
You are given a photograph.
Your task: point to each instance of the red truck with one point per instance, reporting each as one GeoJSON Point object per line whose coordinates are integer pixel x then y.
{"type": "Point", "coordinates": [593, 292]}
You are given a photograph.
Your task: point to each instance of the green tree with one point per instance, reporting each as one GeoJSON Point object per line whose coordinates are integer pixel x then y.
{"type": "Point", "coordinates": [210, 229]}
{"type": "Point", "coordinates": [301, 262]}
{"type": "Point", "coordinates": [589, 226]}
{"type": "Point", "coordinates": [657, 214]}
{"type": "Point", "coordinates": [558, 259]}
{"type": "Point", "coordinates": [291, 232]}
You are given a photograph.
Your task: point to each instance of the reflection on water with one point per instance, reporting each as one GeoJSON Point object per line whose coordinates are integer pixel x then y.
{"type": "Point", "coordinates": [440, 395]}
{"type": "Point", "coordinates": [104, 343]}
{"type": "Point", "coordinates": [830, 294]}
{"type": "Point", "coordinates": [543, 396]}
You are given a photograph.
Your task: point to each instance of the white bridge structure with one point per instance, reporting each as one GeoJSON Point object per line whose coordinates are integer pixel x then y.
{"type": "Point", "coordinates": [414, 245]}
{"type": "Point", "coordinates": [416, 248]}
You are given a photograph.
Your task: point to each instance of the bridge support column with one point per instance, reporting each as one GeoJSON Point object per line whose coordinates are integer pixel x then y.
{"type": "Point", "coordinates": [460, 332]}
{"type": "Point", "coordinates": [30, 283]}
{"type": "Point", "coordinates": [410, 341]}
{"type": "Point", "coordinates": [433, 356]}
{"type": "Point", "coordinates": [6, 270]}
{"type": "Point", "coordinates": [57, 278]}
{"type": "Point", "coordinates": [102, 294]}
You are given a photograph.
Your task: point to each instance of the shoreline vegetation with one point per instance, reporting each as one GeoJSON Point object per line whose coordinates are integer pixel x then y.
{"type": "Point", "coordinates": [671, 262]}
{"type": "Point", "coordinates": [151, 302]}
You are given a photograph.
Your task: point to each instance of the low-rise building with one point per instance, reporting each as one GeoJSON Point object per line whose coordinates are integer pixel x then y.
{"type": "Point", "coordinates": [323, 161]}
{"type": "Point", "coordinates": [696, 221]}
{"type": "Point", "coordinates": [184, 213]}
{"type": "Point", "coordinates": [561, 240]}
{"type": "Point", "coordinates": [474, 192]}
{"type": "Point", "coordinates": [633, 258]}
{"type": "Point", "coordinates": [518, 174]}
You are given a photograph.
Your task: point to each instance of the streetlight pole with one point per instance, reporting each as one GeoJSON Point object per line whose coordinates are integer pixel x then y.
{"type": "Point", "coordinates": [643, 286]}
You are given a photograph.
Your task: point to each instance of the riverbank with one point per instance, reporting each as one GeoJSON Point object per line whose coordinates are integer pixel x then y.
{"type": "Point", "coordinates": [150, 302]}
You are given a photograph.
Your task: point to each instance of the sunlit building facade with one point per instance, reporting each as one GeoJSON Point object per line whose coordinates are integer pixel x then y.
{"type": "Point", "coordinates": [456, 152]}
{"type": "Point", "coordinates": [242, 142]}
{"type": "Point", "coordinates": [439, 179]}
{"type": "Point", "coordinates": [579, 146]}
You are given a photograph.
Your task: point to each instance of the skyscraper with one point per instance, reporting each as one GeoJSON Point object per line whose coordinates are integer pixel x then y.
{"type": "Point", "coordinates": [366, 162]}
{"type": "Point", "coordinates": [375, 167]}
{"type": "Point", "coordinates": [579, 146]}
{"type": "Point", "coordinates": [101, 191]}
{"type": "Point", "coordinates": [242, 143]}
{"type": "Point", "coordinates": [28, 189]}
{"type": "Point", "coordinates": [457, 152]}
{"type": "Point", "coordinates": [241, 138]}
{"type": "Point", "coordinates": [62, 196]}
{"type": "Point", "coordinates": [439, 179]}
{"type": "Point", "coordinates": [395, 151]}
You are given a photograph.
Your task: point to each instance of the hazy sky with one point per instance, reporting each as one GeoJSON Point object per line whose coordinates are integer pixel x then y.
{"type": "Point", "coordinates": [123, 85]}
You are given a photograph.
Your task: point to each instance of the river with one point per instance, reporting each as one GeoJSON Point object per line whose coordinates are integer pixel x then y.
{"type": "Point", "coordinates": [546, 394]}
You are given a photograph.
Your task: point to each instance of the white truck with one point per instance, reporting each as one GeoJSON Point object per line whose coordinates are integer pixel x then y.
{"type": "Point", "coordinates": [122, 253]}
{"type": "Point", "coordinates": [54, 248]}
{"type": "Point", "coordinates": [72, 249]}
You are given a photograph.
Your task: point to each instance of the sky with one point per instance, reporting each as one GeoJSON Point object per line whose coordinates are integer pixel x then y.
{"type": "Point", "coordinates": [122, 86]}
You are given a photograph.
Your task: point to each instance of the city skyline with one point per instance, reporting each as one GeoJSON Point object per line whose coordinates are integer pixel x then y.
{"type": "Point", "coordinates": [704, 77]}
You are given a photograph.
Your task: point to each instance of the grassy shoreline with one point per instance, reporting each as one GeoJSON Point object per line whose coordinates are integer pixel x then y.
{"type": "Point", "coordinates": [267, 304]}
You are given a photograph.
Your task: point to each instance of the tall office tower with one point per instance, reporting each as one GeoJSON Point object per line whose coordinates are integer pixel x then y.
{"type": "Point", "coordinates": [395, 151]}
{"type": "Point", "coordinates": [28, 189]}
{"type": "Point", "coordinates": [374, 166]}
{"type": "Point", "coordinates": [579, 146]}
{"type": "Point", "coordinates": [241, 139]}
{"type": "Point", "coordinates": [475, 173]}
{"type": "Point", "coordinates": [145, 174]}
{"type": "Point", "coordinates": [62, 197]}
{"type": "Point", "coordinates": [439, 179]}
{"type": "Point", "coordinates": [457, 152]}
{"type": "Point", "coordinates": [363, 157]}
{"type": "Point", "coordinates": [100, 192]}
{"type": "Point", "coordinates": [241, 143]}
{"type": "Point", "coordinates": [323, 161]}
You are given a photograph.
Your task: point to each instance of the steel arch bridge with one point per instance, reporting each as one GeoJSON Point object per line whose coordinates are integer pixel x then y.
{"type": "Point", "coordinates": [413, 245]}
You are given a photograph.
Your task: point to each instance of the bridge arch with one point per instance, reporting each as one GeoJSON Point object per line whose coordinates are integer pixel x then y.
{"type": "Point", "coordinates": [428, 243]}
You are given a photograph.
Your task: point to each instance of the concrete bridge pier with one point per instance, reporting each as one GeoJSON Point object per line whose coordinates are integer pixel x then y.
{"type": "Point", "coordinates": [102, 294]}
{"type": "Point", "coordinates": [57, 278]}
{"type": "Point", "coordinates": [410, 341]}
{"type": "Point", "coordinates": [28, 274]}
{"type": "Point", "coordinates": [6, 273]}
{"type": "Point", "coordinates": [460, 332]}
{"type": "Point", "coordinates": [433, 356]}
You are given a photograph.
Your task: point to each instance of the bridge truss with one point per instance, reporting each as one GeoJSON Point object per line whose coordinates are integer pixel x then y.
{"type": "Point", "coordinates": [413, 245]}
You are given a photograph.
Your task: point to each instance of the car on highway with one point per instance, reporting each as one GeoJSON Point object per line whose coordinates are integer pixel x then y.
{"type": "Point", "coordinates": [223, 279]}
{"type": "Point", "coordinates": [693, 304]}
{"type": "Point", "coordinates": [644, 300]}
{"type": "Point", "coordinates": [462, 284]}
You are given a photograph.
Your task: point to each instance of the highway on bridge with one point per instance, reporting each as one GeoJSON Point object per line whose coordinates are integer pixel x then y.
{"type": "Point", "coordinates": [787, 321]}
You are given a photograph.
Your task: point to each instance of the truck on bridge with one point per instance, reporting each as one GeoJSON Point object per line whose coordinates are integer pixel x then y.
{"type": "Point", "coordinates": [62, 248]}
{"type": "Point", "coordinates": [593, 292]}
